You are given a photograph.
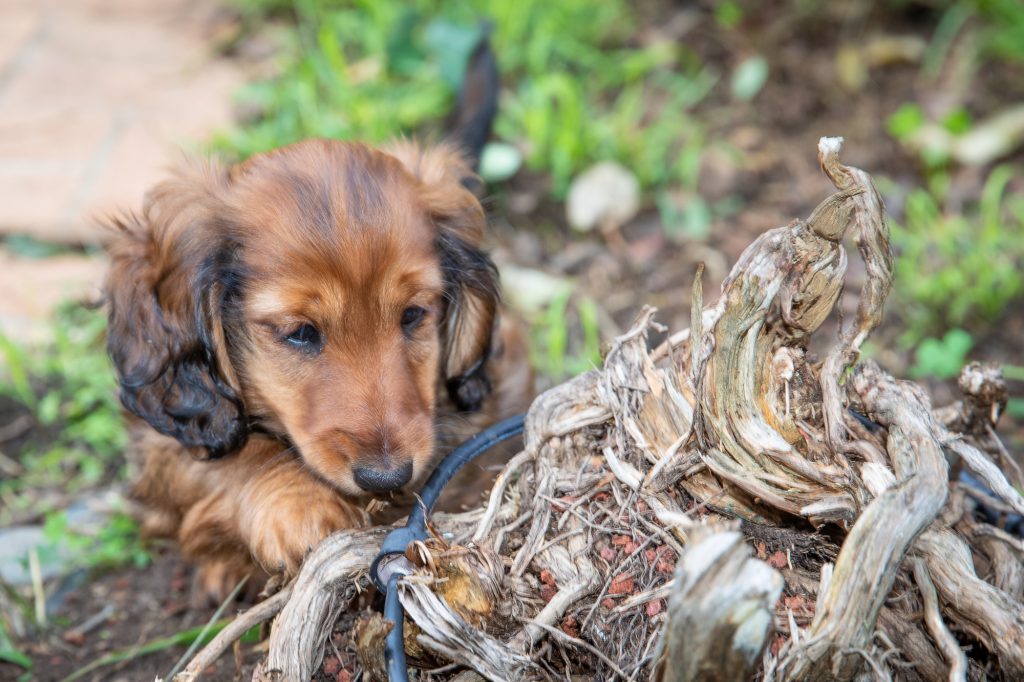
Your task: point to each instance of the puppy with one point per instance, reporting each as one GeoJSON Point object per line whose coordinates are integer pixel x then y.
{"type": "Point", "coordinates": [299, 333]}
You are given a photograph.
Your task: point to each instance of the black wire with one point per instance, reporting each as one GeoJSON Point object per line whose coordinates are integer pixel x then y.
{"type": "Point", "coordinates": [470, 449]}
{"type": "Point", "coordinates": [398, 540]}
{"type": "Point", "coordinates": [415, 528]}
{"type": "Point", "coordinates": [394, 645]}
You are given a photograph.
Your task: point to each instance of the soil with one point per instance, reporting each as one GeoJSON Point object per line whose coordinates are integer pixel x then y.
{"type": "Point", "coordinates": [144, 605]}
{"type": "Point", "coordinates": [776, 178]}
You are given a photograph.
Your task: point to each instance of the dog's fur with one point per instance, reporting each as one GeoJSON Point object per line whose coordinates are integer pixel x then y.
{"type": "Point", "coordinates": [281, 325]}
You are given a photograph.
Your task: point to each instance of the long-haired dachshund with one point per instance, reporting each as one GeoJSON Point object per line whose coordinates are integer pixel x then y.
{"type": "Point", "coordinates": [300, 332]}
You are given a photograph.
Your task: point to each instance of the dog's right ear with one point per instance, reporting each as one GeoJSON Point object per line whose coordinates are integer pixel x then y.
{"type": "Point", "coordinates": [172, 270]}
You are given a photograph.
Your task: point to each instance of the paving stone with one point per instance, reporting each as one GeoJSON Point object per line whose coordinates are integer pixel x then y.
{"type": "Point", "coordinates": [30, 289]}
{"type": "Point", "coordinates": [95, 97]}
{"type": "Point", "coordinates": [17, 29]}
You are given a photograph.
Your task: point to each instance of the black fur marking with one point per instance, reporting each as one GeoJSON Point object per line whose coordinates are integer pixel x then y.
{"type": "Point", "coordinates": [468, 272]}
{"type": "Point", "coordinates": [472, 119]}
{"type": "Point", "coordinates": [168, 368]}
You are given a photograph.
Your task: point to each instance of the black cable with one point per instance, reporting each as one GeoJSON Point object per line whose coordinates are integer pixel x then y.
{"type": "Point", "coordinates": [470, 449]}
{"type": "Point", "coordinates": [394, 643]}
{"type": "Point", "coordinates": [415, 528]}
{"type": "Point", "coordinates": [390, 564]}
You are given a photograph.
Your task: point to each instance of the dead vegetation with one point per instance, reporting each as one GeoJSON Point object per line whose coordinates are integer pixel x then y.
{"type": "Point", "coordinates": [716, 508]}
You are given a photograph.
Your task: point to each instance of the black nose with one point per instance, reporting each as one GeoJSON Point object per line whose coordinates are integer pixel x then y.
{"type": "Point", "coordinates": [382, 480]}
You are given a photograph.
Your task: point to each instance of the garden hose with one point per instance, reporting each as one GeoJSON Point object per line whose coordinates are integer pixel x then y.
{"type": "Point", "coordinates": [391, 564]}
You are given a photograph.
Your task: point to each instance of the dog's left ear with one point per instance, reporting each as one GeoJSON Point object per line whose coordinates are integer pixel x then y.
{"type": "Point", "coordinates": [472, 289]}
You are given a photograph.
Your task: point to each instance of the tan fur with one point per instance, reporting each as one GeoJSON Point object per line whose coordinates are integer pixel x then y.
{"type": "Point", "coordinates": [208, 283]}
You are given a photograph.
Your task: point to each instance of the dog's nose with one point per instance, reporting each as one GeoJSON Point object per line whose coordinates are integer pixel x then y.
{"type": "Point", "coordinates": [382, 480]}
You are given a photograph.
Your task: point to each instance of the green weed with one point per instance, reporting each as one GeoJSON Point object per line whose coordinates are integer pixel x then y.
{"type": "Point", "coordinates": [68, 387]}
{"type": "Point", "coordinates": [576, 89]}
{"type": "Point", "coordinates": [201, 633]}
{"type": "Point", "coordinates": [959, 269]}
{"type": "Point", "coordinates": [115, 543]}
{"type": "Point", "coordinates": [11, 654]}
{"type": "Point", "coordinates": [942, 358]}
{"type": "Point", "coordinates": [565, 339]}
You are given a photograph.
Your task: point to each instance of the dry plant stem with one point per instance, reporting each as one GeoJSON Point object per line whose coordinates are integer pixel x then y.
{"type": "Point", "coordinates": [872, 236]}
{"type": "Point", "coordinates": [573, 571]}
{"type": "Point", "coordinates": [951, 650]}
{"type": "Point", "coordinates": [232, 632]}
{"type": "Point", "coordinates": [990, 615]}
{"type": "Point", "coordinates": [866, 567]}
{"type": "Point", "coordinates": [558, 634]}
{"type": "Point", "coordinates": [447, 633]}
{"type": "Point", "coordinates": [497, 492]}
{"type": "Point", "coordinates": [324, 586]}
{"type": "Point", "coordinates": [983, 467]}
{"type": "Point", "coordinates": [720, 612]}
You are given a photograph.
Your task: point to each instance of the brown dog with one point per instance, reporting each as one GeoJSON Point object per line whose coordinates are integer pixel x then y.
{"type": "Point", "coordinates": [302, 331]}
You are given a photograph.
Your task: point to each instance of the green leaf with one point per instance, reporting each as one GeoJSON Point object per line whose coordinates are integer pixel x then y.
{"type": "Point", "coordinates": [749, 77]}
{"type": "Point", "coordinates": [905, 121]}
{"type": "Point", "coordinates": [958, 122]}
{"type": "Point", "coordinates": [728, 14]}
{"type": "Point", "coordinates": [25, 246]}
{"type": "Point", "coordinates": [9, 653]}
{"type": "Point", "coordinates": [452, 44]}
{"type": "Point", "coordinates": [1016, 408]}
{"type": "Point", "coordinates": [49, 408]}
{"type": "Point", "coordinates": [943, 358]}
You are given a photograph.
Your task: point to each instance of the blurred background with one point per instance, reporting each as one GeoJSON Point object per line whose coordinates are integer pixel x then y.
{"type": "Point", "coordinates": [634, 140]}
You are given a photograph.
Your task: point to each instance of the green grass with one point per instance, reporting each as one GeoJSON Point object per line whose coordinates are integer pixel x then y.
{"type": "Point", "coordinates": [68, 387]}
{"type": "Point", "coordinates": [960, 265]}
{"type": "Point", "coordinates": [564, 337]}
{"type": "Point", "coordinates": [959, 268]}
{"type": "Point", "coordinates": [577, 88]}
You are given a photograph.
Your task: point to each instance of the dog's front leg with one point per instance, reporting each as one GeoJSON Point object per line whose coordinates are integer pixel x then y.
{"type": "Point", "coordinates": [285, 511]}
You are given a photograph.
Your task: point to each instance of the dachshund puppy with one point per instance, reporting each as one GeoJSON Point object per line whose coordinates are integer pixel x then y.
{"type": "Point", "coordinates": [298, 334]}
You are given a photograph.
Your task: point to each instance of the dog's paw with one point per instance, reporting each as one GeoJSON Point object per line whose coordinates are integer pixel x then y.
{"type": "Point", "coordinates": [216, 579]}
{"type": "Point", "coordinates": [283, 529]}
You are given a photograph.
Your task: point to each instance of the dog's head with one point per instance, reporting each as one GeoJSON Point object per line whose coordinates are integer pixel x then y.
{"type": "Point", "coordinates": [325, 292]}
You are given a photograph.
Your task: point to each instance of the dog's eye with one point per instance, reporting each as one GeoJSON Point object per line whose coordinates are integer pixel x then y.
{"type": "Point", "coordinates": [411, 318]}
{"type": "Point", "coordinates": [305, 338]}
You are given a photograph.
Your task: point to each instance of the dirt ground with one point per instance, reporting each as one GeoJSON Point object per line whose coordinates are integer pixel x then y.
{"type": "Point", "coordinates": [777, 178]}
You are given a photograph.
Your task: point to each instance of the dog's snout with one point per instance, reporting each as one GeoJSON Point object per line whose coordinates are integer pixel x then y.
{"type": "Point", "coordinates": [382, 480]}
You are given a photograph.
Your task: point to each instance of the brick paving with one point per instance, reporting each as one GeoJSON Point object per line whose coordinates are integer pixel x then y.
{"type": "Point", "coordinates": [96, 98]}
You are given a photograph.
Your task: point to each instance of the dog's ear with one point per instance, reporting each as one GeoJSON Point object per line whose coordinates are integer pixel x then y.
{"type": "Point", "coordinates": [472, 290]}
{"type": "Point", "coordinates": [171, 274]}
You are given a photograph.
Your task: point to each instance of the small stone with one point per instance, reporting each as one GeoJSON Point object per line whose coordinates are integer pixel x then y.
{"type": "Point", "coordinates": [331, 665]}
{"type": "Point", "coordinates": [653, 607]}
{"type": "Point", "coordinates": [547, 578]}
{"type": "Point", "coordinates": [606, 195]}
